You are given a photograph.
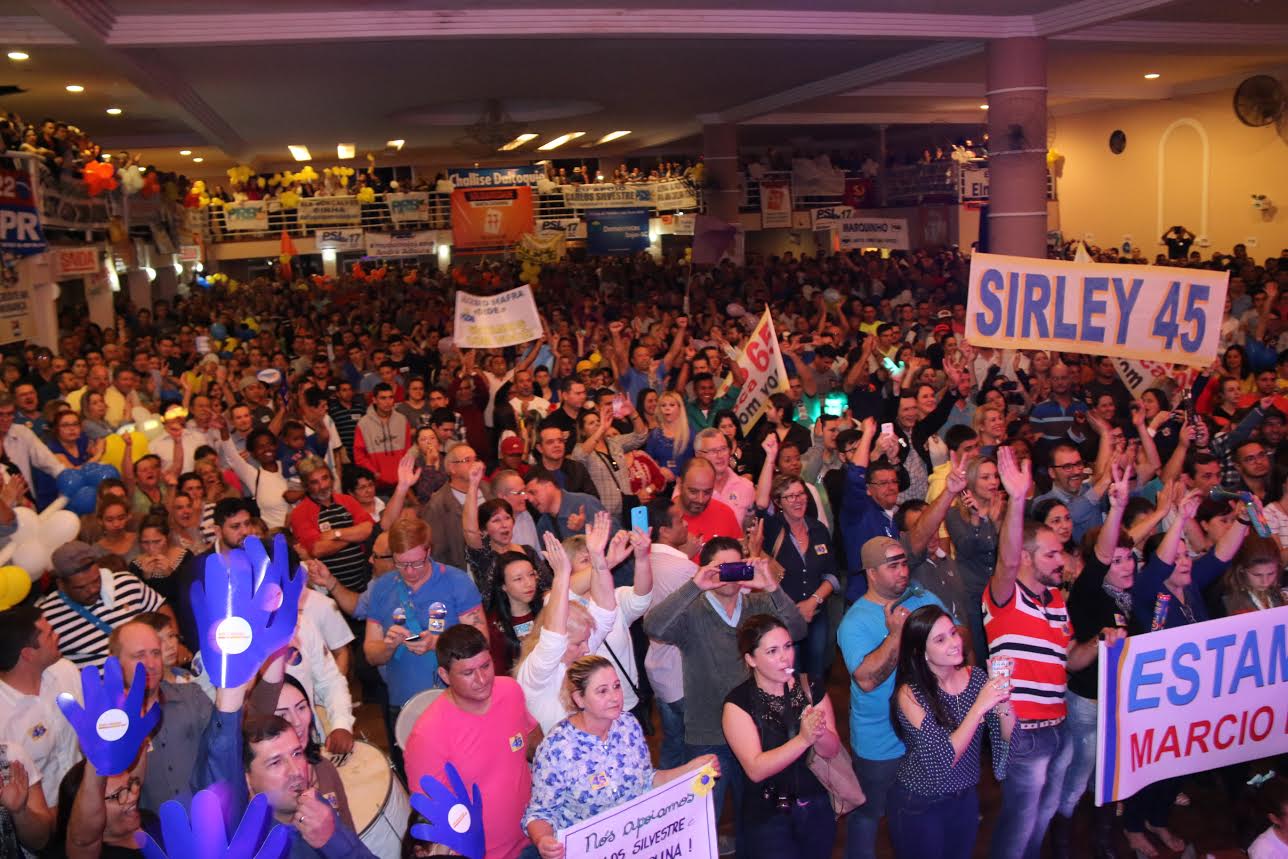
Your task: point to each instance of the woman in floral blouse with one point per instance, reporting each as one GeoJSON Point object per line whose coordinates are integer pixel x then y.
{"type": "Point", "coordinates": [593, 760]}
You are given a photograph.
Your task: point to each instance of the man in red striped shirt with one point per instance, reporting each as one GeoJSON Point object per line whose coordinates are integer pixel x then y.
{"type": "Point", "coordinates": [1025, 620]}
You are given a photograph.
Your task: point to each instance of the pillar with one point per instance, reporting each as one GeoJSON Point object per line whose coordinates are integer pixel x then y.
{"type": "Point", "coordinates": [1017, 130]}
{"type": "Point", "coordinates": [140, 289]}
{"type": "Point", "coordinates": [330, 267]}
{"type": "Point", "coordinates": [720, 155]}
{"type": "Point", "coordinates": [100, 300]}
{"type": "Point", "coordinates": [167, 283]}
{"type": "Point", "coordinates": [36, 278]}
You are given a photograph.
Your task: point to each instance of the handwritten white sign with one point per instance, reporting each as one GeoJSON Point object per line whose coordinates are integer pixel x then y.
{"type": "Point", "coordinates": [490, 321]}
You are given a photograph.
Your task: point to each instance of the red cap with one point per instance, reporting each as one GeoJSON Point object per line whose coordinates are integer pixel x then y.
{"type": "Point", "coordinates": [512, 446]}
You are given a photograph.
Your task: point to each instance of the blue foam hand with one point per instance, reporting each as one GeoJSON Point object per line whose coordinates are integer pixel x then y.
{"type": "Point", "coordinates": [109, 725]}
{"type": "Point", "coordinates": [455, 816]}
{"type": "Point", "coordinates": [205, 836]}
{"type": "Point", "coordinates": [245, 607]}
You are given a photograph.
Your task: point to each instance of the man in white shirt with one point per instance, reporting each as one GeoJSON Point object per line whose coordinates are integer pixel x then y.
{"type": "Point", "coordinates": [177, 447]}
{"type": "Point", "coordinates": [24, 449]}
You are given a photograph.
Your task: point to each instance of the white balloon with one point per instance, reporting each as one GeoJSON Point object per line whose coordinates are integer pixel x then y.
{"type": "Point", "coordinates": [61, 528]}
{"type": "Point", "coordinates": [32, 556]}
{"type": "Point", "coordinates": [140, 414]}
{"type": "Point", "coordinates": [28, 522]}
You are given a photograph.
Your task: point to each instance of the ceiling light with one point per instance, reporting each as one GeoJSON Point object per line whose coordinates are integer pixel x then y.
{"type": "Point", "coordinates": [517, 142]}
{"type": "Point", "coordinates": [198, 160]}
{"type": "Point", "coordinates": [300, 153]}
{"type": "Point", "coordinates": [114, 111]}
{"type": "Point", "coordinates": [1152, 76]}
{"type": "Point", "coordinates": [394, 144]}
{"type": "Point", "coordinates": [75, 88]}
{"type": "Point", "coordinates": [611, 136]}
{"type": "Point", "coordinates": [345, 151]}
{"type": "Point", "coordinates": [185, 151]}
{"type": "Point", "coordinates": [19, 56]}
{"type": "Point", "coordinates": [983, 107]}
{"type": "Point", "coordinates": [561, 140]}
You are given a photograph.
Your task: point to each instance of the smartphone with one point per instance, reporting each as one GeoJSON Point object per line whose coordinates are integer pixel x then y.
{"type": "Point", "coordinates": [639, 519]}
{"type": "Point", "coordinates": [620, 407]}
{"type": "Point", "coordinates": [413, 637]}
{"type": "Point", "coordinates": [737, 571]}
{"type": "Point", "coordinates": [887, 429]}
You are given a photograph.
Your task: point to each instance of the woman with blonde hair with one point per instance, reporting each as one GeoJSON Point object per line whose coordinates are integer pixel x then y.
{"type": "Point", "coordinates": [670, 444]}
{"type": "Point", "coordinates": [972, 524]}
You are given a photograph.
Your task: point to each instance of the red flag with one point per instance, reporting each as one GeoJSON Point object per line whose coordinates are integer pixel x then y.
{"type": "Point", "coordinates": [288, 253]}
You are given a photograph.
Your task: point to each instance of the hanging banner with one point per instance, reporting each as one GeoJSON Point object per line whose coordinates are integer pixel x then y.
{"type": "Point", "coordinates": [490, 218]}
{"type": "Point", "coordinates": [669, 194]}
{"type": "Point", "coordinates": [569, 228]}
{"type": "Point", "coordinates": [673, 194]}
{"type": "Point", "coordinates": [1140, 376]}
{"type": "Point", "coordinates": [340, 239]}
{"type": "Point", "coordinates": [1123, 311]}
{"type": "Point", "coordinates": [412, 207]}
{"type": "Point", "coordinates": [766, 374]}
{"type": "Point", "coordinates": [329, 210]}
{"type": "Point", "coordinates": [1199, 697]}
{"type": "Point", "coordinates": [74, 262]}
{"type": "Point", "coordinates": [16, 319]}
{"type": "Point", "coordinates": [854, 233]}
{"type": "Point", "coordinates": [675, 821]}
{"type": "Point", "coordinates": [189, 253]}
{"type": "Point", "coordinates": [495, 177]}
{"type": "Point", "coordinates": [246, 215]}
{"type": "Point", "coordinates": [972, 184]}
{"type": "Point", "coordinates": [409, 244]}
{"type": "Point", "coordinates": [826, 217]}
{"type": "Point", "coordinates": [20, 231]}
{"type": "Point", "coordinates": [775, 203]}
{"type": "Point", "coordinates": [617, 232]}
{"type": "Point", "coordinates": [491, 321]}
{"type": "Point", "coordinates": [858, 193]}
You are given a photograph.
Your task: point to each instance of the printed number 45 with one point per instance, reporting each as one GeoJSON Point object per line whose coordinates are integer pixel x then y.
{"type": "Point", "coordinates": [1194, 318]}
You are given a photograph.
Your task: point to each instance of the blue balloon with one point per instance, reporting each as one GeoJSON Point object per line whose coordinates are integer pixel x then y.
{"type": "Point", "coordinates": [70, 481]}
{"type": "Point", "coordinates": [96, 472]}
{"type": "Point", "coordinates": [83, 501]}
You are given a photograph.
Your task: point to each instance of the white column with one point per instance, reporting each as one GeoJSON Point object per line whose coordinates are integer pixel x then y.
{"type": "Point", "coordinates": [36, 277]}
{"type": "Point", "coordinates": [140, 289]}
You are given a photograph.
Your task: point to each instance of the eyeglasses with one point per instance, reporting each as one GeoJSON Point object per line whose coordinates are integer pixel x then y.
{"type": "Point", "coordinates": [121, 796]}
{"type": "Point", "coordinates": [1261, 454]}
{"type": "Point", "coordinates": [515, 492]}
{"type": "Point", "coordinates": [1070, 466]}
{"type": "Point", "coordinates": [711, 450]}
{"type": "Point", "coordinates": [889, 482]}
{"type": "Point", "coordinates": [794, 497]}
{"type": "Point", "coordinates": [411, 565]}
{"type": "Point", "coordinates": [464, 460]}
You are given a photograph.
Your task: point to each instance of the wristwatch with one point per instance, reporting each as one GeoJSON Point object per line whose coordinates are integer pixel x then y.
{"type": "Point", "coordinates": [818, 599]}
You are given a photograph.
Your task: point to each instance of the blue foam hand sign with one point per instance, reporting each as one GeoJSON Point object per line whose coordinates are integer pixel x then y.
{"type": "Point", "coordinates": [245, 606]}
{"type": "Point", "coordinates": [205, 836]}
{"type": "Point", "coordinates": [109, 725]}
{"type": "Point", "coordinates": [455, 816]}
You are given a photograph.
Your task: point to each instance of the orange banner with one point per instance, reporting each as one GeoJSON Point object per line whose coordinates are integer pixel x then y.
{"type": "Point", "coordinates": [490, 218]}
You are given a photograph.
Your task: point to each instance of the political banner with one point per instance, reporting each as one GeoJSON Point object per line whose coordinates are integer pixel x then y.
{"type": "Point", "coordinates": [854, 233]}
{"type": "Point", "coordinates": [972, 184]}
{"type": "Point", "coordinates": [673, 821]}
{"type": "Point", "coordinates": [1123, 311]}
{"type": "Point", "coordinates": [416, 243]}
{"type": "Point", "coordinates": [673, 194]}
{"type": "Point", "coordinates": [495, 177]}
{"type": "Point", "coordinates": [340, 239]}
{"type": "Point", "coordinates": [492, 321]}
{"type": "Point", "coordinates": [766, 374]}
{"type": "Point", "coordinates": [329, 210]}
{"type": "Point", "coordinates": [668, 194]}
{"type": "Point", "coordinates": [490, 218]}
{"type": "Point", "coordinates": [20, 231]}
{"type": "Point", "coordinates": [412, 207]}
{"type": "Point", "coordinates": [1180, 701]}
{"type": "Point", "coordinates": [1140, 376]}
{"type": "Point", "coordinates": [617, 232]}
{"type": "Point", "coordinates": [17, 321]}
{"type": "Point", "coordinates": [74, 262]}
{"type": "Point", "coordinates": [247, 215]}
{"type": "Point", "coordinates": [569, 228]}
{"type": "Point", "coordinates": [826, 217]}
{"type": "Point", "coordinates": [858, 193]}
{"type": "Point", "coordinates": [775, 203]}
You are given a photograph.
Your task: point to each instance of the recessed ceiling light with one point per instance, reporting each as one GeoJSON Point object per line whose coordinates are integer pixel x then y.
{"type": "Point", "coordinates": [75, 88]}
{"type": "Point", "coordinates": [19, 56]}
{"type": "Point", "coordinates": [517, 142]}
{"type": "Point", "coordinates": [983, 107]}
{"type": "Point", "coordinates": [345, 151]}
{"type": "Point", "coordinates": [1152, 76]}
{"type": "Point", "coordinates": [114, 111]}
{"type": "Point", "coordinates": [299, 152]}
{"type": "Point", "coordinates": [561, 140]}
{"type": "Point", "coordinates": [611, 136]}
{"type": "Point", "coordinates": [394, 144]}
{"type": "Point", "coordinates": [198, 160]}
{"type": "Point", "coordinates": [185, 151]}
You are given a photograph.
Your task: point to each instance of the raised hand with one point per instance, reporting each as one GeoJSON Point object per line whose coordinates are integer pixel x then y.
{"type": "Point", "coordinates": [15, 789]}
{"type": "Point", "coordinates": [577, 521]}
{"type": "Point", "coordinates": [597, 532]}
{"type": "Point", "coordinates": [1016, 479]}
{"type": "Point", "coordinates": [109, 725]}
{"type": "Point", "coordinates": [956, 481]}
{"type": "Point", "coordinates": [619, 548]}
{"type": "Point", "coordinates": [1120, 485]}
{"type": "Point", "coordinates": [455, 815]}
{"type": "Point", "coordinates": [555, 555]}
{"type": "Point", "coordinates": [246, 608]}
{"type": "Point", "coordinates": [204, 837]}
{"type": "Point", "coordinates": [477, 469]}
{"type": "Point", "coordinates": [770, 446]}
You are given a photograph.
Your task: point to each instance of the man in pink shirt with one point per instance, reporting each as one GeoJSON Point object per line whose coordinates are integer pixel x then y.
{"type": "Point", "coordinates": [733, 489]}
{"type": "Point", "coordinates": [482, 727]}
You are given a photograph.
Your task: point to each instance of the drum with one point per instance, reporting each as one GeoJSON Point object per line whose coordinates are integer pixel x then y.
{"type": "Point", "coordinates": [411, 712]}
{"type": "Point", "coordinates": [377, 800]}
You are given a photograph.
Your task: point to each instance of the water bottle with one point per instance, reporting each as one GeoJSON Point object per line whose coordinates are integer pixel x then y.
{"type": "Point", "coordinates": [437, 618]}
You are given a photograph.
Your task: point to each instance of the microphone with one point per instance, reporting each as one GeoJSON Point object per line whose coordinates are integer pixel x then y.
{"type": "Point", "coordinates": [1255, 516]}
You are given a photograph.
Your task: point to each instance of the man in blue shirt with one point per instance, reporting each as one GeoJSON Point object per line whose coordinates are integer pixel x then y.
{"type": "Point", "coordinates": [870, 501]}
{"type": "Point", "coordinates": [1069, 486]}
{"type": "Point", "coordinates": [869, 639]}
{"type": "Point", "coordinates": [559, 511]}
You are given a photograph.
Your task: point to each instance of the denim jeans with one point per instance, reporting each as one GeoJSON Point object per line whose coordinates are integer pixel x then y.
{"type": "Point", "coordinates": [1031, 790]}
{"type": "Point", "coordinates": [807, 832]}
{"type": "Point", "coordinates": [811, 653]}
{"type": "Point", "coordinates": [671, 754]}
{"type": "Point", "coordinates": [943, 826]}
{"type": "Point", "coordinates": [731, 778]}
{"type": "Point", "coordinates": [1081, 723]}
{"type": "Point", "coordinates": [876, 778]}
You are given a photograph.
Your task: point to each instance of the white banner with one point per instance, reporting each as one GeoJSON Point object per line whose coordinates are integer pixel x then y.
{"type": "Point", "coordinates": [826, 217]}
{"type": "Point", "coordinates": [329, 210]}
{"type": "Point", "coordinates": [340, 239]}
{"type": "Point", "coordinates": [410, 244]}
{"type": "Point", "coordinates": [775, 203]}
{"type": "Point", "coordinates": [889, 233]}
{"type": "Point", "coordinates": [408, 208]}
{"type": "Point", "coordinates": [569, 228]}
{"type": "Point", "coordinates": [973, 184]}
{"type": "Point", "coordinates": [246, 215]}
{"type": "Point", "coordinates": [490, 321]}
{"type": "Point", "coordinates": [668, 194]}
{"type": "Point", "coordinates": [74, 262]}
{"type": "Point", "coordinates": [766, 374]}
{"type": "Point", "coordinates": [674, 821]}
{"type": "Point", "coordinates": [1140, 376]}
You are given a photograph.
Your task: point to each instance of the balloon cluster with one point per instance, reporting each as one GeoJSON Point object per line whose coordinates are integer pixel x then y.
{"type": "Point", "coordinates": [131, 181]}
{"type": "Point", "coordinates": [38, 535]}
{"type": "Point", "coordinates": [80, 485]}
{"type": "Point", "coordinates": [99, 177]}
{"type": "Point", "coordinates": [366, 194]}
{"type": "Point", "coordinates": [341, 174]}
{"type": "Point", "coordinates": [15, 584]}
{"type": "Point", "coordinates": [306, 174]}
{"type": "Point", "coordinates": [240, 174]}
{"type": "Point", "coordinates": [289, 199]}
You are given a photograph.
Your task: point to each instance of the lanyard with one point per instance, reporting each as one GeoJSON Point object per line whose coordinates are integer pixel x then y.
{"type": "Point", "coordinates": [102, 625]}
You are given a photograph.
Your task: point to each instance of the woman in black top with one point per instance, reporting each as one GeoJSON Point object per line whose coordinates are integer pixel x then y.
{"type": "Point", "coordinates": [772, 727]}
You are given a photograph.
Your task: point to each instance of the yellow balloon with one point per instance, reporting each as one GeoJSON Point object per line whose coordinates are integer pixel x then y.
{"type": "Point", "coordinates": [15, 584]}
{"type": "Point", "coordinates": [114, 448]}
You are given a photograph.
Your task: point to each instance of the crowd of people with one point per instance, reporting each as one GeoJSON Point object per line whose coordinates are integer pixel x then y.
{"type": "Point", "coordinates": [573, 544]}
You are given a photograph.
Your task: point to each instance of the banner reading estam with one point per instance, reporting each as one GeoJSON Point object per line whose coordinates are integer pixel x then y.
{"type": "Point", "coordinates": [674, 821]}
{"type": "Point", "coordinates": [490, 321]}
{"type": "Point", "coordinates": [1127, 311]}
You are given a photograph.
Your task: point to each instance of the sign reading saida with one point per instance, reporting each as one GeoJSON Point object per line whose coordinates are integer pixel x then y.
{"type": "Point", "coordinates": [490, 218]}
{"type": "Point", "coordinates": [1128, 311]}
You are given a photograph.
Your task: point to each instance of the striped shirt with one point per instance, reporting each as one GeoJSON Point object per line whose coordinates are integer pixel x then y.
{"type": "Point", "coordinates": [1037, 637]}
{"type": "Point", "coordinates": [312, 522]}
{"type": "Point", "coordinates": [83, 641]}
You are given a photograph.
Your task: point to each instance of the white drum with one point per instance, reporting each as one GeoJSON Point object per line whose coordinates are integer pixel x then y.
{"type": "Point", "coordinates": [377, 800]}
{"type": "Point", "coordinates": [411, 712]}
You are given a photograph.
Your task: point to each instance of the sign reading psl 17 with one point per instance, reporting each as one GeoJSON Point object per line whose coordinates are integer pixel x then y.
{"type": "Point", "coordinates": [1127, 311]}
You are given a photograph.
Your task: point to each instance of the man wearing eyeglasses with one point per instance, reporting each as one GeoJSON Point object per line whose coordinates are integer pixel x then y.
{"type": "Point", "coordinates": [870, 500]}
{"type": "Point", "coordinates": [732, 489]}
{"type": "Point", "coordinates": [1069, 485]}
{"type": "Point", "coordinates": [444, 509]}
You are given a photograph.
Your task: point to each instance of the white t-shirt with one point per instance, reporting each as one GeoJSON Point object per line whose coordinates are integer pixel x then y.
{"type": "Point", "coordinates": [1268, 846]}
{"type": "Point", "coordinates": [35, 722]}
{"type": "Point", "coordinates": [630, 607]}
{"type": "Point", "coordinates": [322, 612]}
{"type": "Point", "coordinates": [541, 674]}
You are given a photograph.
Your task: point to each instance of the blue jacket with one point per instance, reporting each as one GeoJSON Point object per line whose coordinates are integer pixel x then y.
{"type": "Point", "coordinates": [861, 519]}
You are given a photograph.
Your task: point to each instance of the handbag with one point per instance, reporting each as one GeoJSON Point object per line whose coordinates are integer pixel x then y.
{"type": "Point", "coordinates": [836, 774]}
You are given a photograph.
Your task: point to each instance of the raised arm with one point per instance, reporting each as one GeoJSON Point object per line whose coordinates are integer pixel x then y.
{"type": "Point", "coordinates": [470, 509]}
{"type": "Point", "coordinates": [765, 482]}
{"type": "Point", "coordinates": [601, 583]}
{"type": "Point", "coordinates": [1016, 479]}
{"type": "Point", "coordinates": [933, 516]}
{"type": "Point", "coordinates": [554, 616]}
{"type": "Point", "coordinates": [1119, 492]}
